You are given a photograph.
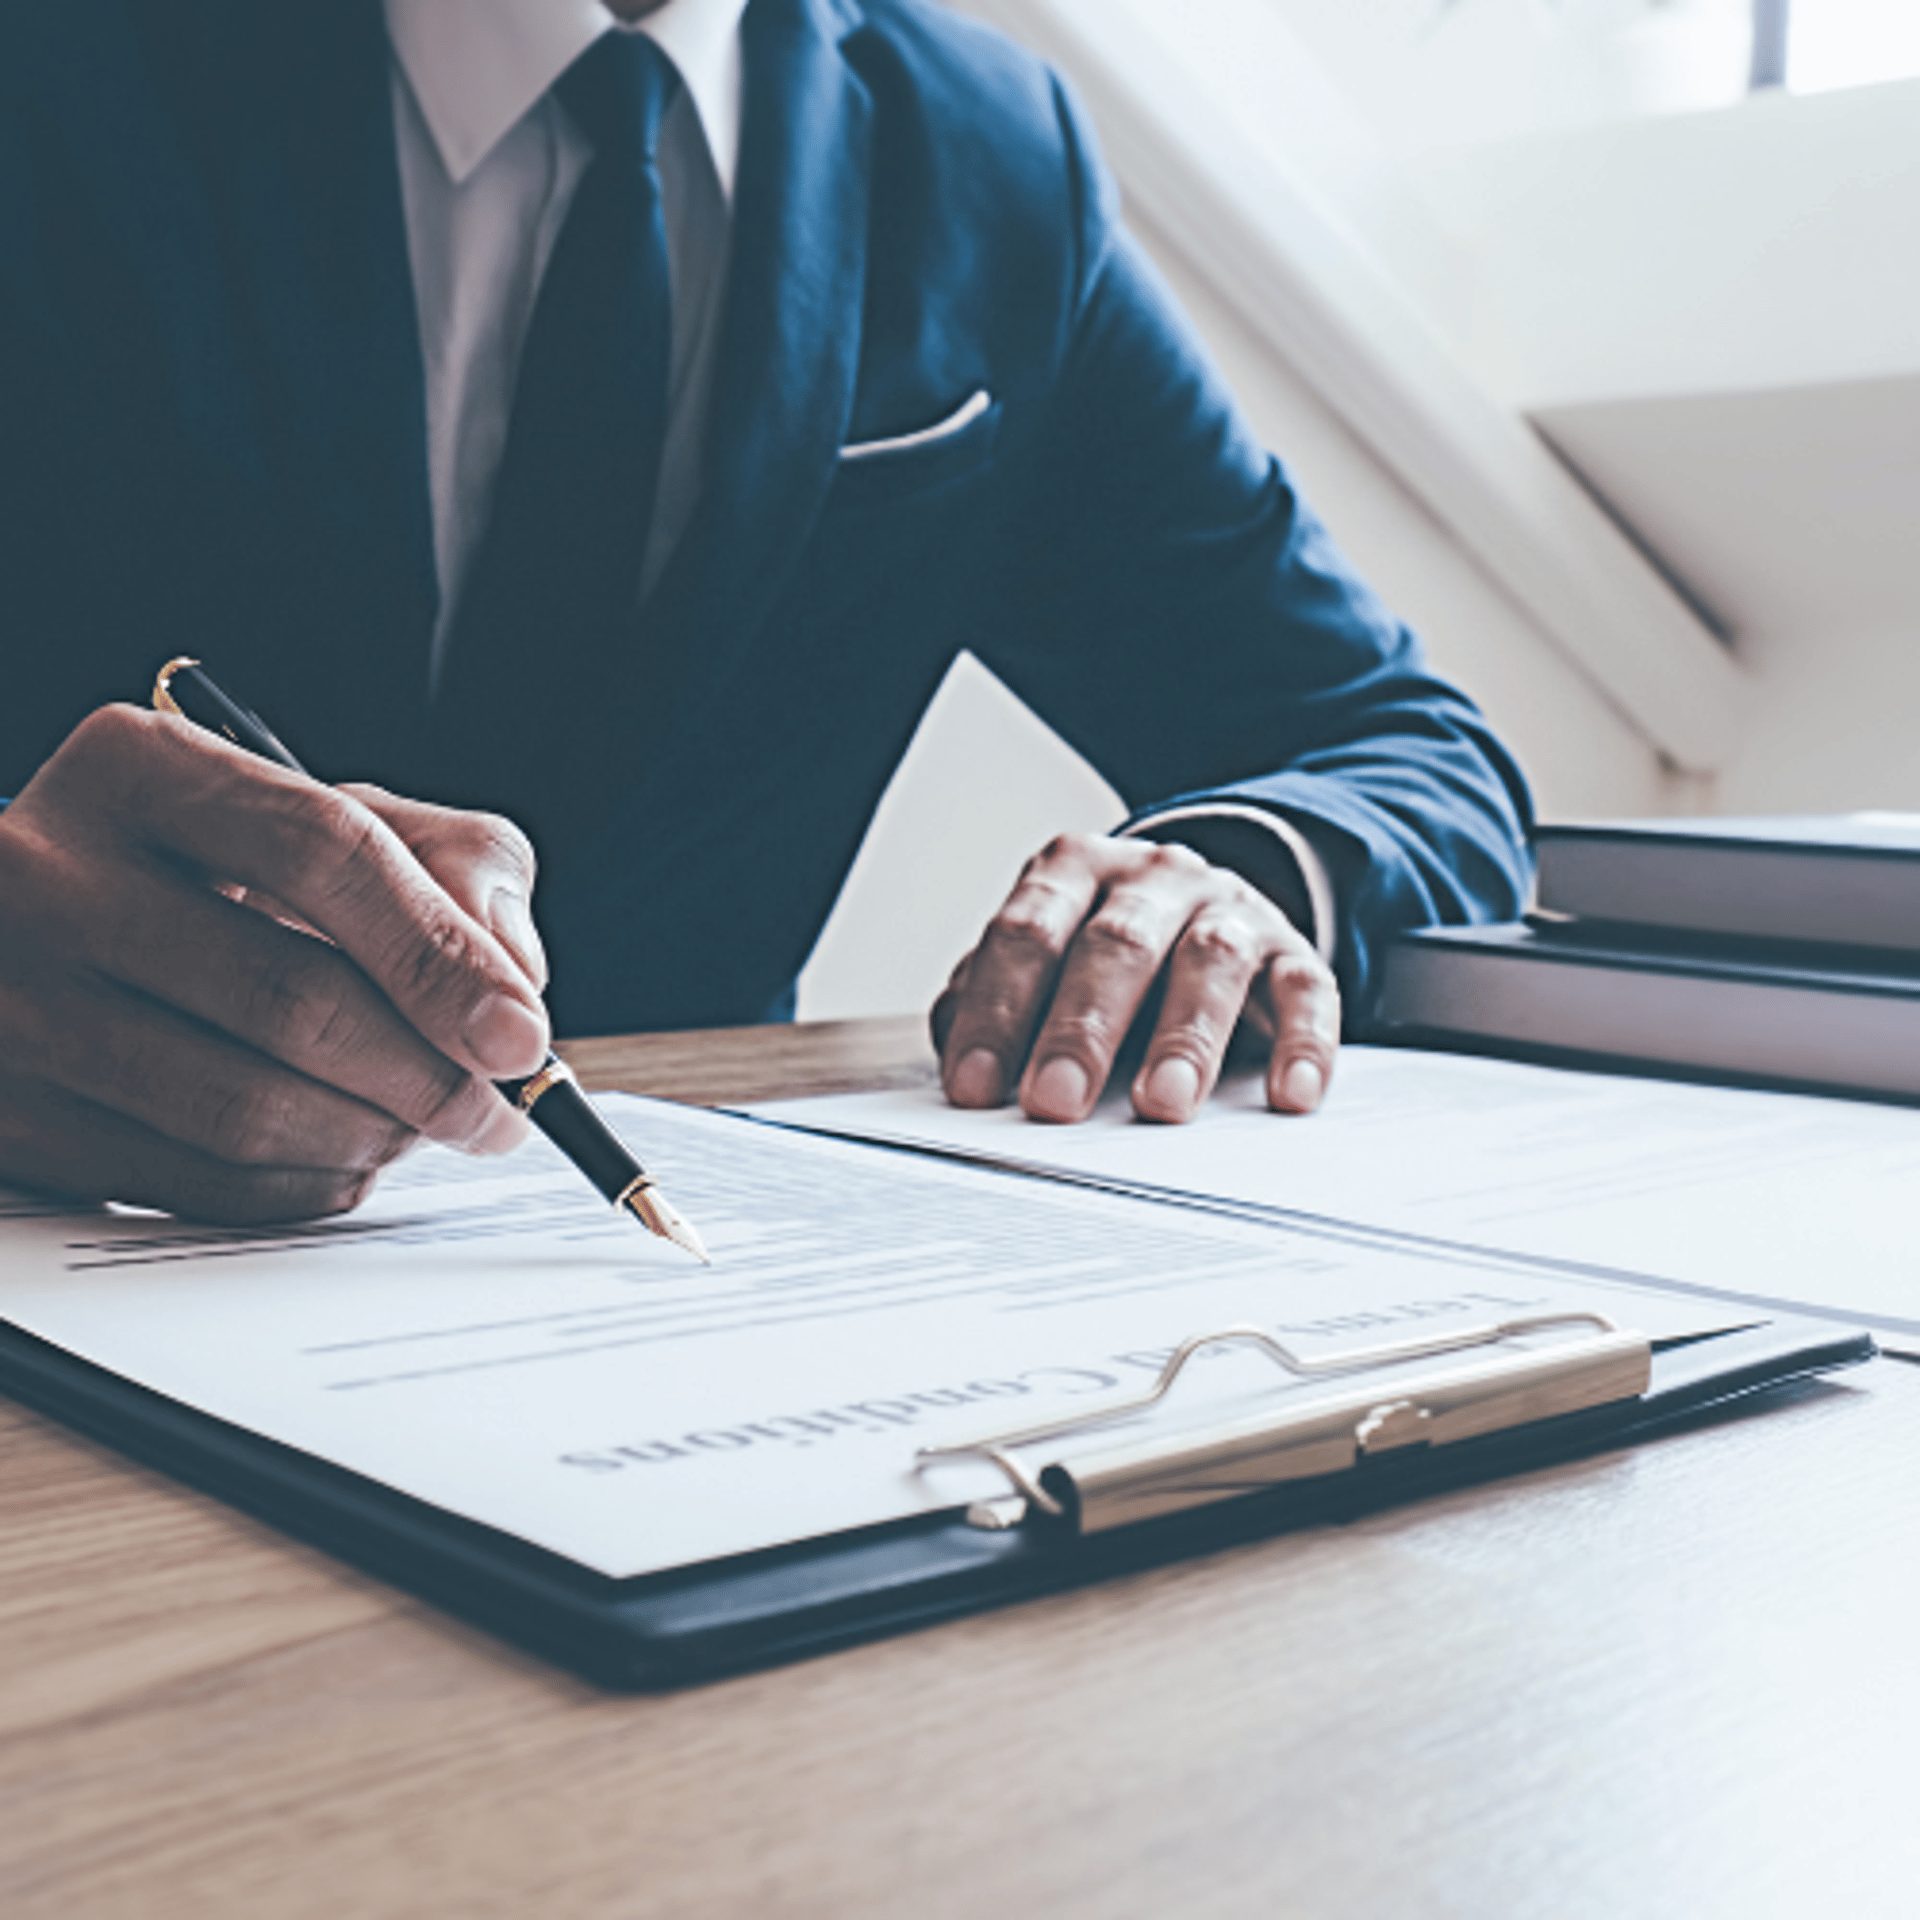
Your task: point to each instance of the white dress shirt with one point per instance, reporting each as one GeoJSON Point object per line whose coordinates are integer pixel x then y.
{"type": "Point", "coordinates": [489, 161]}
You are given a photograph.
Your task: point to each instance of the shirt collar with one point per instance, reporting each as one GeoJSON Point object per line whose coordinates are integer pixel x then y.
{"type": "Point", "coordinates": [478, 67]}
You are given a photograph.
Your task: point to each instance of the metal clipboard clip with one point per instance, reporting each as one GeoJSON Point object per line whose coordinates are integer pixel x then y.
{"type": "Point", "coordinates": [1306, 1434]}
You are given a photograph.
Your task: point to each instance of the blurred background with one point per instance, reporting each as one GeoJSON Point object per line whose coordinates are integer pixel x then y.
{"type": "Point", "coordinates": [1593, 329]}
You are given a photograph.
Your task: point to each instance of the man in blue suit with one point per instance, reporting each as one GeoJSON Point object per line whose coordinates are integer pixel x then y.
{"type": "Point", "coordinates": [307, 368]}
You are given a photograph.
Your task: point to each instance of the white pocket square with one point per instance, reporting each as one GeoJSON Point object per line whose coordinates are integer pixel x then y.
{"type": "Point", "coordinates": [957, 421]}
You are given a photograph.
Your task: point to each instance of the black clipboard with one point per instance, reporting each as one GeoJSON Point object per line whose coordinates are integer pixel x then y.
{"type": "Point", "coordinates": [703, 1622]}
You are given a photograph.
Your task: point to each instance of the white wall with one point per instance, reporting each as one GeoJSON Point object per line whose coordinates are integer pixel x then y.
{"type": "Point", "coordinates": [1717, 319]}
{"type": "Point", "coordinates": [1429, 75]}
{"type": "Point", "coordinates": [1774, 244]}
{"type": "Point", "coordinates": [1839, 727]}
{"type": "Point", "coordinates": [1581, 755]}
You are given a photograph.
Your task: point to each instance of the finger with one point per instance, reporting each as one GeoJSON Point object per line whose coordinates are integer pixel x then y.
{"type": "Point", "coordinates": [328, 857]}
{"type": "Point", "coordinates": [1005, 981]}
{"type": "Point", "coordinates": [1305, 1005]}
{"type": "Point", "coordinates": [190, 1084]}
{"type": "Point", "coordinates": [484, 861]}
{"type": "Point", "coordinates": [1214, 963]}
{"type": "Point", "coordinates": [55, 1140]}
{"type": "Point", "coordinates": [940, 1016]}
{"type": "Point", "coordinates": [284, 994]}
{"type": "Point", "coordinates": [1112, 963]}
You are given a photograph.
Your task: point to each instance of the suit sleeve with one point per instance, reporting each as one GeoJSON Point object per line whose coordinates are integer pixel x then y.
{"type": "Point", "coordinates": [1181, 615]}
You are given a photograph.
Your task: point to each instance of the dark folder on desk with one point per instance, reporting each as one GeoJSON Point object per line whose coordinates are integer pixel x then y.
{"type": "Point", "coordinates": [1483, 1409]}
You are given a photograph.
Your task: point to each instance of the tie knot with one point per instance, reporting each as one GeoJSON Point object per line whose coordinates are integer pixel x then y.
{"type": "Point", "coordinates": [617, 90]}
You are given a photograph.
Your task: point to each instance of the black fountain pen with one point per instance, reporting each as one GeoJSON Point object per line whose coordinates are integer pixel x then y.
{"type": "Point", "coordinates": [551, 1098]}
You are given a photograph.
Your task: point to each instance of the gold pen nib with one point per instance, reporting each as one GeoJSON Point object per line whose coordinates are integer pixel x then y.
{"type": "Point", "coordinates": [659, 1215]}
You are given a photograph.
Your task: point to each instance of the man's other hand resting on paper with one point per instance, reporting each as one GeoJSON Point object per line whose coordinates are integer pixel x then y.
{"type": "Point", "coordinates": [1039, 1009]}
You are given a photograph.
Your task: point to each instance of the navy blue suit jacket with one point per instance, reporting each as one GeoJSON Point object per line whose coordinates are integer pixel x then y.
{"type": "Point", "coordinates": [212, 441]}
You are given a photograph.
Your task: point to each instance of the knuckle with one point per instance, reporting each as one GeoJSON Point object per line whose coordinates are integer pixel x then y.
{"type": "Point", "coordinates": [1305, 1000]}
{"type": "Point", "coordinates": [329, 835]}
{"type": "Point", "coordinates": [1296, 975]}
{"type": "Point", "coordinates": [431, 956]}
{"type": "Point", "coordinates": [505, 845]}
{"type": "Point", "coordinates": [1199, 1040]}
{"type": "Point", "coordinates": [1090, 1033]}
{"type": "Point", "coordinates": [1030, 925]}
{"type": "Point", "coordinates": [1128, 938]}
{"type": "Point", "coordinates": [1170, 858]}
{"type": "Point", "coordinates": [991, 1014]}
{"type": "Point", "coordinates": [1064, 850]}
{"type": "Point", "coordinates": [1246, 898]}
{"type": "Point", "coordinates": [329, 1026]}
{"type": "Point", "coordinates": [1224, 942]}
{"type": "Point", "coordinates": [422, 949]}
{"type": "Point", "coordinates": [295, 998]}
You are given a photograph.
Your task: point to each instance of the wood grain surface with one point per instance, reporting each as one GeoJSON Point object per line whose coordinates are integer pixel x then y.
{"type": "Point", "coordinates": [1679, 1680]}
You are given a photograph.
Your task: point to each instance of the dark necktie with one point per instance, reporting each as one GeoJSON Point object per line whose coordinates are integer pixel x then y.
{"type": "Point", "coordinates": [547, 625]}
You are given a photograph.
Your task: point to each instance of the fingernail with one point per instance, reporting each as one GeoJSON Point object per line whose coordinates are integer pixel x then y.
{"type": "Point", "coordinates": [977, 1080]}
{"type": "Point", "coordinates": [506, 1036]}
{"type": "Point", "coordinates": [1173, 1089]}
{"type": "Point", "coordinates": [505, 1128]}
{"type": "Point", "coordinates": [512, 922]}
{"type": "Point", "coordinates": [1059, 1090]}
{"type": "Point", "coordinates": [1302, 1086]}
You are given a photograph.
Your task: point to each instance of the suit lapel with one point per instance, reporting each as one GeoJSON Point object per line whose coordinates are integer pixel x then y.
{"type": "Point", "coordinates": [790, 352]}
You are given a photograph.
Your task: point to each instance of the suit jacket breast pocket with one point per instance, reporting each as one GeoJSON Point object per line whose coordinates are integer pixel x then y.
{"type": "Point", "coordinates": [879, 473]}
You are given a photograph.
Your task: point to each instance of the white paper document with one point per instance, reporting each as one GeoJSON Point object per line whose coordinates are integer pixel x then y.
{"type": "Point", "coordinates": [490, 1337]}
{"type": "Point", "coordinates": [1784, 1200]}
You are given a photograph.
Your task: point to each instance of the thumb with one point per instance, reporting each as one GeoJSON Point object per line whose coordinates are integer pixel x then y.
{"type": "Point", "coordinates": [484, 862]}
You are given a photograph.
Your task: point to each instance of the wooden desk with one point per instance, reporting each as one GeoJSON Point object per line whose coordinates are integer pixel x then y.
{"type": "Point", "coordinates": [1683, 1680]}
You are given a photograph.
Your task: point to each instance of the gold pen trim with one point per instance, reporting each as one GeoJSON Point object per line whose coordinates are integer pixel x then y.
{"type": "Point", "coordinates": [163, 683]}
{"type": "Point", "coordinates": [543, 1083]}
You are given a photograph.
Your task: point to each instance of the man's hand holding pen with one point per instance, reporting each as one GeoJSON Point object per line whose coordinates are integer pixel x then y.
{"type": "Point", "coordinates": [163, 1043]}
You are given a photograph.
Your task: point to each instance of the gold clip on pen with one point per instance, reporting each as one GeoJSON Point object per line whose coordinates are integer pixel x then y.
{"type": "Point", "coordinates": [550, 1098]}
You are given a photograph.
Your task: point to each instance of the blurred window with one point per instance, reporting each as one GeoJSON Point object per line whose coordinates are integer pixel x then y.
{"type": "Point", "coordinates": [1850, 43]}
